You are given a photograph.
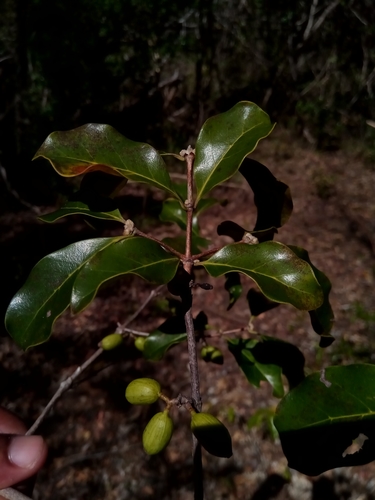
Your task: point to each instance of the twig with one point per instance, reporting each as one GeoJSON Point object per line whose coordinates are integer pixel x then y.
{"type": "Point", "coordinates": [64, 386]}
{"type": "Point", "coordinates": [325, 13]}
{"type": "Point", "coordinates": [206, 253]}
{"type": "Point", "coordinates": [134, 332]}
{"type": "Point", "coordinates": [11, 494]}
{"type": "Point", "coordinates": [310, 22]}
{"type": "Point", "coordinates": [227, 332]}
{"type": "Point", "coordinates": [153, 293]}
{"type": "Point", "coordinates": [161, 243]}
{"type": "Point", "coordinates": [192, 346]}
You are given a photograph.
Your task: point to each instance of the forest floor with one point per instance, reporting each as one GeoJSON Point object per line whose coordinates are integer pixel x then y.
{"type": "Point", "coordinates": [94, 435]}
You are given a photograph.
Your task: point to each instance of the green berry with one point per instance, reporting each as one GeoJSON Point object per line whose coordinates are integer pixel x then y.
{"type": "Point", "coordinates": [207, 351]}
{"type": "Point", "coordinates": [158, 433]}
{"type": "Point", "coordinates": [213, 354]}
{"type": "Point", "coordinates": [142, 391]}
{"type": "Point", "coordinates": [140, 343]}
{"type": "Point", "coordinates": [211, 434]}
{"type": "Point", "coordinates": [217, 357]}
{"type": "Point", "coordinates": [111, 341]}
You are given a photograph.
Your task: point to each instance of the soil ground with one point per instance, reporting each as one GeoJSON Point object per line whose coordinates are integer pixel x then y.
{"type": "Point", "coordinates": [94, 436]}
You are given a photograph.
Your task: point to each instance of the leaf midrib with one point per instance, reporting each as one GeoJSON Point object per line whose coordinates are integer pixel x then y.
{"type": "Point", "coordinates": [199, 194]}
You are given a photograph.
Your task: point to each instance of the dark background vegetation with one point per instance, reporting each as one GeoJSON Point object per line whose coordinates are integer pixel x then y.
{"type": "Point", "coordinates": [157, 69]}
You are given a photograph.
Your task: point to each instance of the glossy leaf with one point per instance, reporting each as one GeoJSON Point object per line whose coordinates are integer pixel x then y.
{"type": "Point", "coordinates": [170, 333]}
{"type": "Point", "coordinates": [254, 370]}
{"type": "Point", "coordinates": [204, 204]}
{"type": "Point", "coordinates": [322, 318]}
{"type": "Point", "coordinates": [224, 141]}
{"type": "Point", "coordinates": [47, 291]}
{"type": "Point", "coordinates": [265, 358]}
{"type": "Point", "coordinates": [100, 147]}
{"type": "Point", "coordinates": [181, 189]}
{"type": "Point", "coordinates": [159, 341]}
{"type": "Point", "coordinates": [233, 287]}
{"type": "Point", "coordinates": [134, 255]}
{"type": "Point", "coordinates": [172, 211]}
{"type": "Point", "coordinates": [279, 273]}
{"type": "Point", "coordinates": [319, 419]}
{"type": "Point", "coordinates": [271, 196]}
{"type": "Point", "coordinates": [79, 207]}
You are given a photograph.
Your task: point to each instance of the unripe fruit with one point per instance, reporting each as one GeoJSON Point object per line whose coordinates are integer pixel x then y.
{"type": "Point", "coordinates": [217, 357]}
{"type": "Point", "coordinates": [158, 433]}
{"type": "Point", "coordinates": [111, 341]}
{"type": "Point", "coordinates": [142, 391]}
{"type": "Point", "coordinates": [211, 353]}
{"type": "Point", "coordinates": [207, 351]}
{"type": "Point", "coordinates": [211, 434]}
{"type": "Point", "coordinates": [140, 343]}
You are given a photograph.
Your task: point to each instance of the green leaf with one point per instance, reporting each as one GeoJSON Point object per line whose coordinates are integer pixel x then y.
{"type": "Point", "coordinates": [204, 204]}
{"type": "Point", "coordinates": [100, 147]}
{"type": "Point", "coordinates": [266, 359]}
{"type": "Point", "coordinates": [322, 318]}
{"type": "Point", "coordinates": [181, 189]}
{"type": "Point", "coordinates": [134, 255]}
{"type": "Point", "coordinates": [170, 333]}
{"type": "Point", "coordinates": [158, 343]}
{"type": "Point", "coordinates": [233, 287]}
{"type": "Point", "coordinates": [172, 211]}
{"type": "Point", "coordinates": [319, 419]}
{"type": "Point", "coordinates": [254, 370]}
{"type": "Point", "coordinates": [279, 273]}
{"type": "Point", "coordinates": [47, 291]}
{"type": "Point", "coordinates": [79, 207]}
{"type": "Point", "coordinates": [224, 141]}
{"type": "Point", "coordinates": [271, 197]}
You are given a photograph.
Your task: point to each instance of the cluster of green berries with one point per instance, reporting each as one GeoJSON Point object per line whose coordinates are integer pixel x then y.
{"type": "Point", "coordinates": [209, 431]}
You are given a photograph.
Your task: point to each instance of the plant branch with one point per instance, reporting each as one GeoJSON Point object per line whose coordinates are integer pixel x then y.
{"type": "Point", "coordinates": [161, 243]}
{"type": "Point", "coordinates": [187, 298]}
{"type": "Point", "coordinates": [227, 332]}
{"type": "Point", "coordinates": [206, 253]}
{"type": "Point", "coordinates": [64, 386]}
{"type": "Point", "coordinates": [133, 332]}
{"type": "Point", "coordinates": [11, 494]}
{"type": "Point", "coordinates": [153, 293]}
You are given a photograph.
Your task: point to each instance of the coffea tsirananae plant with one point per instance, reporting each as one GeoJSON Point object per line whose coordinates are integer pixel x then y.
{"type": "Point", "coordinates": [321, 414]}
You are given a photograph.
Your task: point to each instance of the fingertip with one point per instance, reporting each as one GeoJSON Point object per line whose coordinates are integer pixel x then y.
{"type": "Point", "coordinates": [27, 452]}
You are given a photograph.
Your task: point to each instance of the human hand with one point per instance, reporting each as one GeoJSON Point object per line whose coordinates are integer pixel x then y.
{"type": "Point", "coordinates": [20, 456]}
